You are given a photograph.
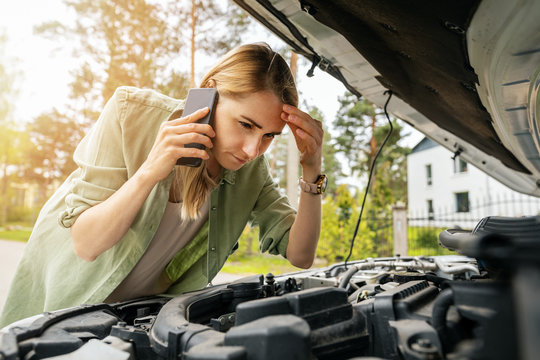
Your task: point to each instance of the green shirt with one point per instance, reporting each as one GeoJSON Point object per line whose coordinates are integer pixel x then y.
{"type": "Point", "coordinates": [51, 276]}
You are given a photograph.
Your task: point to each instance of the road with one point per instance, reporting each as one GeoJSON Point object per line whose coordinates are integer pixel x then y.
{"type": "Point", "coordinates": [11, 252]}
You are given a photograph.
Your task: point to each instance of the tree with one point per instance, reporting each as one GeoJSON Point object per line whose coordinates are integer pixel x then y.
{"type": "Point", "coordinates": [9, 136]}
{"type": "Point", "coordinates": [361, 129]}
{"type": "Point", "coordinates": [207, 27]}
{"type": "Point", "coordinates": [122, 43]}
{"type": "Point", "coordinates": [354, 120]}
{"type": "Point", "coordinates": [54, 137]}
{"type": "Point", "coordinates": [13, 147]}
{"type": "Point", "coordinates": [330, 162]}
{"type": "Point", "coordinates": [339, 216]}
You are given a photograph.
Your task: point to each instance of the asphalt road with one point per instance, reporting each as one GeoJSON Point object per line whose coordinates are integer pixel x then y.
{"type": "Point", "coordinates": [11, 252]}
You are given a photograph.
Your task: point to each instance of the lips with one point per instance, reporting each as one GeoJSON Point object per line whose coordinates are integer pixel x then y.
{"type": "Point", "coordinates": [240, 160]}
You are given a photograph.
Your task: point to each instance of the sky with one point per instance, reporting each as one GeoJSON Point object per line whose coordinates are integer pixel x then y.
{"type": "Point", "coordinates": [44, 65]}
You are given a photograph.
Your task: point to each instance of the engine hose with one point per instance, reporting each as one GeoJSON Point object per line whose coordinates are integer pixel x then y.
{"type": "Point", "coordinates": [437, 280]}
{"type": "Point", "coordinates": [440, 309]}
{"type": "Point", "coordinates": [347, 276]}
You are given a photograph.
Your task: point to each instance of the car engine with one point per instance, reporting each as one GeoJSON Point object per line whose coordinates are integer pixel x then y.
{"type": "Point", "coordinates": [481, 304]}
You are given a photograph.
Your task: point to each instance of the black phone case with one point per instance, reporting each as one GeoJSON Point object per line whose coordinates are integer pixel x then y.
{"type": "Point", "coordinates": [198, 99]}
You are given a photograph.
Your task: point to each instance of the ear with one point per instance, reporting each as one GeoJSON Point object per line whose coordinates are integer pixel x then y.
{"type": "Point", "coordinates": [211, 83]}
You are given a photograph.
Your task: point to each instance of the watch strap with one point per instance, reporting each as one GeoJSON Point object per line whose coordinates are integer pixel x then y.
{"type": "Point", "coordinates": [313, 188]}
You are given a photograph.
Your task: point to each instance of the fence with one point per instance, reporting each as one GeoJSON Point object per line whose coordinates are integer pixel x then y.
{"type": "Point", "coordinates": [416, 233]}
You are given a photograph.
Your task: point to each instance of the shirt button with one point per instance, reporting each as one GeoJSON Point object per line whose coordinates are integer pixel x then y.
{"type": "Point", "coordinates": [214, 208]}
{"type": "Point", "coordinates": [213, 249]}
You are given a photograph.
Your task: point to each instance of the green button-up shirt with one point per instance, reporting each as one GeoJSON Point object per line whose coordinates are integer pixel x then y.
{"type": "Point", "coordinates": [51, 276]}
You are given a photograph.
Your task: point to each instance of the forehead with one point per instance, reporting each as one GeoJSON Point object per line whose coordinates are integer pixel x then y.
{"type": "Point", "coordinates": [263, 107]}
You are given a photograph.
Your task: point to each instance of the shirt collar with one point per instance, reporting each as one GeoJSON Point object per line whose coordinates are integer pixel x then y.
{"type": "Point", "coordinates": [178, 110]}
{"type": "Point", "coordinates": [228, 176]}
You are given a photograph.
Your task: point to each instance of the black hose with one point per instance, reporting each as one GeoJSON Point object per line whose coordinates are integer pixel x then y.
{"type": "Point", "coordinates": [440, 309]}
{"type": "Point", "coordinates": [347, 276]}
{"type": "Point", "coordinates": [437, 280]}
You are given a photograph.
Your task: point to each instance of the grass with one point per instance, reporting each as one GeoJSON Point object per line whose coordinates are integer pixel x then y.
{"type": "Point", "coordinates": [16, 231]}
{"type": "Point", "coordinates": [429, 251]}
{"type": "Point", "coordinates": [15, 235]}
{"type": "Point", "coordinates": [257, 264]}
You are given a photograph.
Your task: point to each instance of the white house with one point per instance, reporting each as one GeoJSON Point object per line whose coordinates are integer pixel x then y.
{"type": "Point", "coordinates": [452, 192]}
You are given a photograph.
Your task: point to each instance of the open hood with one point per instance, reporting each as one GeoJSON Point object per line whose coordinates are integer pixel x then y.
{"type": "Point", "coordinates": [464, 73]}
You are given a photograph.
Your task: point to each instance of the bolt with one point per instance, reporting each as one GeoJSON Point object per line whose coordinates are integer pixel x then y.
{"type": "Point", "coordinates": [455, 28]}
{"type": "Point", "coordinates": [424, 346]}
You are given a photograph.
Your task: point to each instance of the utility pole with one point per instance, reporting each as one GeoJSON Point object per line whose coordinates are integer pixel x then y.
{"type": "Point", "coordinates": [292, 152]}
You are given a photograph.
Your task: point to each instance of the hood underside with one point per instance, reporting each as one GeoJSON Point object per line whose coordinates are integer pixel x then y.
{"type": "Point", "coordinates": [465, 73]}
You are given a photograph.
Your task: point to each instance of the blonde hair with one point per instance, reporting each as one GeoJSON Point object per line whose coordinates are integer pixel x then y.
{"type": "Point", "coordinates": [244, 70]}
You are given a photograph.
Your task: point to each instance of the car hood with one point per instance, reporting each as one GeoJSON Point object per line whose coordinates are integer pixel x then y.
{"type": "Point", "coordinates": [465, 73]}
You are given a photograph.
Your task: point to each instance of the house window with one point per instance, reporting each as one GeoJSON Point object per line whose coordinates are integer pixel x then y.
{"type": "Point", "coordinates": [428, 175]}
{"type": "Point", "coordinates": [462, 202]}
{"type": "Point", "coordinates": [460, 166]}
{"type": "Point", "coordinates": [431, 215]}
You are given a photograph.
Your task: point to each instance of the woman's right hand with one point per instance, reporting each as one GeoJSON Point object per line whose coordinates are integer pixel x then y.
{"type": "Point", "coordinates": [169, 144]}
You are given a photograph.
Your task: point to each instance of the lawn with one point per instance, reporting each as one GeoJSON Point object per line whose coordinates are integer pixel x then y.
{"type": "Point", "coordinates": [15, 235]}
{"type": "Point", "coordinates": [257, 264]}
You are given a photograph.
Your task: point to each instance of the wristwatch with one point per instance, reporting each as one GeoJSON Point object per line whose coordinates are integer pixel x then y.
{"type": "Point", "coordinates": [317, 188]}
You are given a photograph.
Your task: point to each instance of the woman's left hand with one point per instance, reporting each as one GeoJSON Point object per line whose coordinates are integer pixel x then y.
{"type": "Point", "coordinates": [308, 134]}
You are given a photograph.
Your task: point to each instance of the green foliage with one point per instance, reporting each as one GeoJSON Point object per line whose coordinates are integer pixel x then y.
{"type": "Point", "coordinates": [20, 213]}
{"type": "Point", "coordinates": [14, 145]}
{"type": "Point", "coordinates": [353, 121]}
{"type": "Point", "coordinates": [361, 129]}
{"type": "Point", "coordinates": [424, 241]}
{"type": "Point", "coordinates": [217, 29]}
{"type": "Point", "coordinates": [248, 260]}
{"type": "Point", "coordinates": [339, 221]}
{"type": "Point", "coordinates": [54, 137]}
{"type": "Point", "coordinates": [121, 42]}
{"type": "Point", "coordinates": [330, 162]}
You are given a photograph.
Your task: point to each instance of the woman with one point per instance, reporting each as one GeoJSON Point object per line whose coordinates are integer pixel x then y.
{"type": "Point", "coordinates": [129, 223]}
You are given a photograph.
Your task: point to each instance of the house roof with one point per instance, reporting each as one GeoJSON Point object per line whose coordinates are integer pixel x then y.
{"type": "Point", "coordinates": [424, 144]}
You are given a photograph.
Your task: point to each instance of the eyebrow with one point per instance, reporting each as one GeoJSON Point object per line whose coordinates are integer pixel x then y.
{"type": "Point", "coordinates": [257, 125]}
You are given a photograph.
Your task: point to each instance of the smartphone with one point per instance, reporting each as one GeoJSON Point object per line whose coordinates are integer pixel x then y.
{"type": "Point", "coordinates": [198, 99]}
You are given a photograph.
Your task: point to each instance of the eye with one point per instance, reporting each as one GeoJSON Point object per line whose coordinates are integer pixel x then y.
{"type": "Point", "coordinates": [269, 136]}
{"type": "Point", "coordinates": [245, 125]}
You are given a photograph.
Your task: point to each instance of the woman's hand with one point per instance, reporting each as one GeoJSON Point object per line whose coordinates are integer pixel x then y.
{"type": "Point", "coordinates": [169, 144]}
{"type": "Point", "coordinates": [308, 134]}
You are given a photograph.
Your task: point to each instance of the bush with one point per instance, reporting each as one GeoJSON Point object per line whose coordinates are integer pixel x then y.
{"type": "Point", "coordinates": [21, 214]}
{"type": "Point", "coordinates": [424, 241]}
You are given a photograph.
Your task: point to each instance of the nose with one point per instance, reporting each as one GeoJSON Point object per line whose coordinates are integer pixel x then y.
{"type": "Point", "coordinates": [252, 147]}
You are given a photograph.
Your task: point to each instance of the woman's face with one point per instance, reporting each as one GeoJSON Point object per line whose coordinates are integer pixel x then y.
{"type": "Point", "coordinates": [245, 127]}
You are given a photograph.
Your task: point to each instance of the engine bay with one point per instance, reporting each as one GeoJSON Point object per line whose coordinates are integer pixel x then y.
{"type": "Point", "coordinates": [479, 306]}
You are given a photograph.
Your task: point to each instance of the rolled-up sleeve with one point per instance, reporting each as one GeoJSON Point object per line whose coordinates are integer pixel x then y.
{"type": "Point", "coordinates": [275, 217]}
{"type": "Point", "coordinates": [100, 160]}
